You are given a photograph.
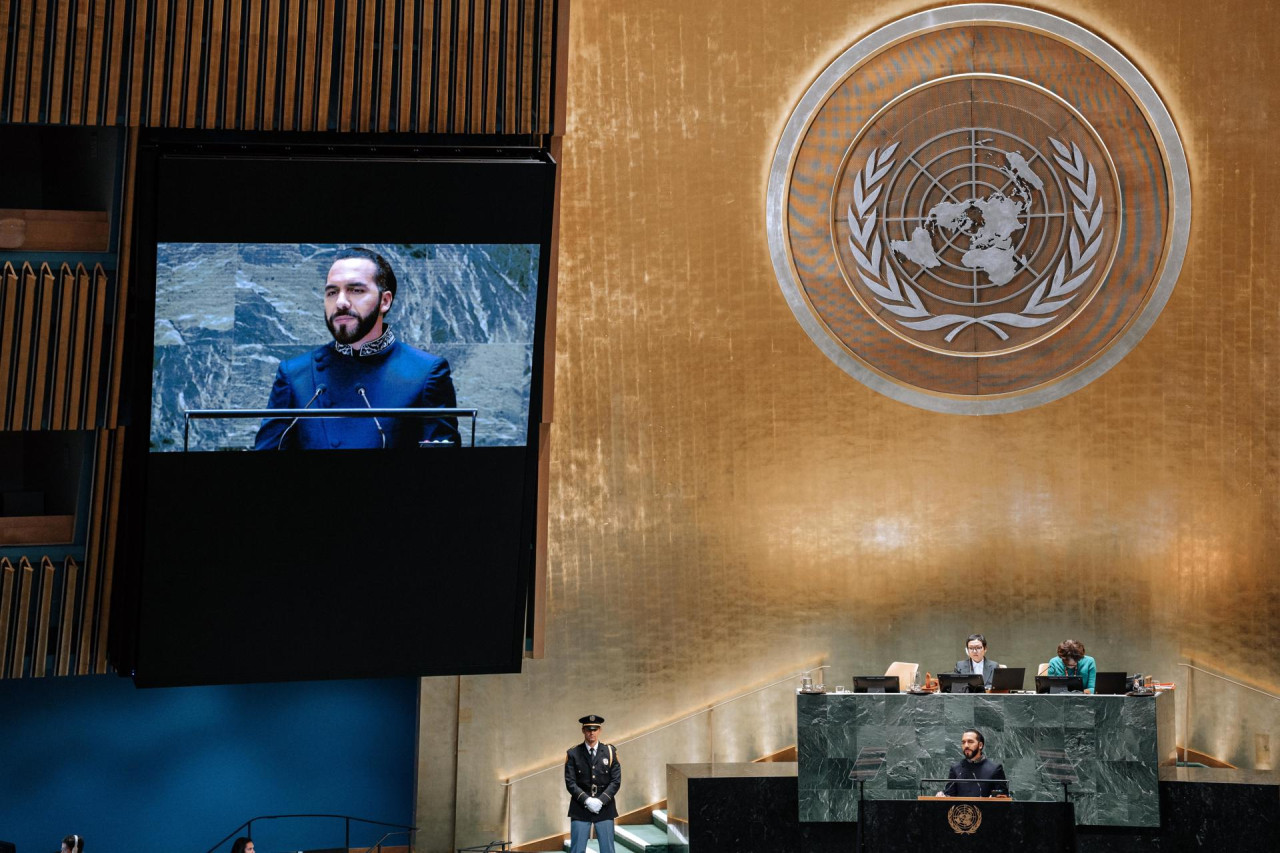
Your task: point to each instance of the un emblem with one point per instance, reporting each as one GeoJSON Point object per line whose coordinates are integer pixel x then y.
{"type": "Point", "coordinates": [964, 819]}
{"type": "Point", "coordinates": [978, 209]}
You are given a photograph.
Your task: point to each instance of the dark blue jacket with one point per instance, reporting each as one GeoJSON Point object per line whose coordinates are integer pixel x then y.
{"type": "Point", "coordinates": [400, 376]}
{"type": "Point", "coordinates": [987, 779]}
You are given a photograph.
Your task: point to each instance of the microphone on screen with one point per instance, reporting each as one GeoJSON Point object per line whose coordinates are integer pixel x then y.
{"type": "Point", "coordinates": [376, 422]}
{"type": "Point", "coordinates": [320, 389]}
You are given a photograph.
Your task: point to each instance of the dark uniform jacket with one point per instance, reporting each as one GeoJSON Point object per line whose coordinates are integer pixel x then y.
{"type": "Point", "coordinates": [600, 779]}
{"type": "Point", "coordinates": [400, 376]}
{"type": "Point", "coordinates": [965, 667]}
{"type": "Point", "coordinates": [988, 776]}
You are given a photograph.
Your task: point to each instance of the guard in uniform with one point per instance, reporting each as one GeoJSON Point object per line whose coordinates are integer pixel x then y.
{"type": "Point", "coordinates": [593, 775]}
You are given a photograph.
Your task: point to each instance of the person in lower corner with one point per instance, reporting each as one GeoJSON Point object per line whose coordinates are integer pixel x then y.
{"type": "Point", "coordinates": [593, 774]}
{"type": "Point", "coordinates": [976, 775]}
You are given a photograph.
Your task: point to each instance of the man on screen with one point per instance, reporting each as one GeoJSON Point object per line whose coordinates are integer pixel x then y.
{"type": "Point", "coordinates": [365, 366]}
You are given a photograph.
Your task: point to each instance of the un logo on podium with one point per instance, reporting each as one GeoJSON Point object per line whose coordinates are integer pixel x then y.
{"type": "Point", "coordinates": [978, 209]}
{"type": "Point", "coordinates": [964, 818]}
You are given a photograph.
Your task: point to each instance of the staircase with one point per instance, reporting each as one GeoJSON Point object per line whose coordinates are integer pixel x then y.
{"type": "Point", "coordinates": [638, 837]}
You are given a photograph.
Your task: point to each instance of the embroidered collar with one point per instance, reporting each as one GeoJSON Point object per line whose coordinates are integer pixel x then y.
{"type": "Point", "coordinates": [373, 347]}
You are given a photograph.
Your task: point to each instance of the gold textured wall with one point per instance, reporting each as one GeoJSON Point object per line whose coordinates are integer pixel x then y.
{"type": "Point", "coordinates": [727, 505]}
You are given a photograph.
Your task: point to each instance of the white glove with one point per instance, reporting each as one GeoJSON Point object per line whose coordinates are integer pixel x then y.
{"type": "Point", "coordinates": [594, 805]}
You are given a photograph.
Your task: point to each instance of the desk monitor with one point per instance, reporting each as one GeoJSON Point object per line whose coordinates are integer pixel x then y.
{"type": "Point", "coordinates": [949, 682]}
{"type": "Point", "coordinates": [1008, 678]}
{"type": "Point", "coordinates": [1111, 683]}
{"type": "Point", "coordinates": [1059, 684]}
{"type": "Point", "coordinates": [875, 684]}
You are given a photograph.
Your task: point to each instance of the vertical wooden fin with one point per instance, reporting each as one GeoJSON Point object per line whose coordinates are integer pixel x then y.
{"type": "Point", "coordinates": [43, 604]}
{"type": "Point", "coordinates": [7, 579]}
{"type": "Point", "coordinates": [60, 378]}
{"type": "Point", "coordinates": [94, 550]}
{"type": "Point", "coordinates": [75, 409]}
{"type": "Point", "coordinates": [26, 579]}
{"type": "Point", "coordinates": [41, 345]}
{"type": "Point", "coordinates": [97, 343]}
{"type": "Point", "coordinates": [70, 574]}
{"type": "Point", "coordinates": [22, 340]}
{"type": "Point", "coordinates": [9, 292]}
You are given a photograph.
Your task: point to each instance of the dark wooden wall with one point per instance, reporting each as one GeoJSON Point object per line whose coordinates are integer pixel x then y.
{"type": "Point", "coordinates": [475, 67]}
{"type": "Point", "coordinates": [426, 66]}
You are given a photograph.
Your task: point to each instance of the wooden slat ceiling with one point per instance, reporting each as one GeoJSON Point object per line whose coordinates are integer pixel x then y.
{"type": "Point", "coordinates": [425, 66]}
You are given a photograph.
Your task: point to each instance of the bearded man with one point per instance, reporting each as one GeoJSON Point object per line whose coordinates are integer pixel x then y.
{"type": "Point", "coordinates": [364, 366]}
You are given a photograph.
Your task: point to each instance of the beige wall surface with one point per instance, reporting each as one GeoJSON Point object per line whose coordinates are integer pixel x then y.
{"type": "Point", "coordinates": [727, 506]}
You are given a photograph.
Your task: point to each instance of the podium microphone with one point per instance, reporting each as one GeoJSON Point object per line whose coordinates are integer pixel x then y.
{"type": "Point", "coordinates": [320, 389]}
{"type": "Point", "coordinates": [365, 397]}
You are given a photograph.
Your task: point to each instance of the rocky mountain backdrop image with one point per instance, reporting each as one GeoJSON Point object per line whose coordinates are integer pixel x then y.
{"type": "Point", "coordinates": [228, 314]}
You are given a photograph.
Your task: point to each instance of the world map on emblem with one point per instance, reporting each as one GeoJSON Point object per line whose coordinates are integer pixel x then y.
{"type": "Point", "coordinates": [988, 221]}
{"type": "Point", "coordinates": [978, 209]}
{"type": "Point", "coordinates": [974, 224]}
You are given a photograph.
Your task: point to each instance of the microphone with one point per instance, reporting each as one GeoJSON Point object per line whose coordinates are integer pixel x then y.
{"type": "Point", "coordinates": [320, 389]}
{"type": "Point", "coordinates": [365, 397]}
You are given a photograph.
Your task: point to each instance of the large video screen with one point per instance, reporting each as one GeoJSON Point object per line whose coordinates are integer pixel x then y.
{"type": "Point", "coordinates": [316, 324]}
{"type": "Point", "coordinates": [242, 326]}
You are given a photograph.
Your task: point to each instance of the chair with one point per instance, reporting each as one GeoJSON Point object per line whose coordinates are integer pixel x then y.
{"type": "Point", "coordinates": [906, 673]}
{"type": "Point", "coordinates": [1042, 669]}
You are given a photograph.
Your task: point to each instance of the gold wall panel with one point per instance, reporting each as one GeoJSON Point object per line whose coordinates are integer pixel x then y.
{"type": "Point", "coordinates": [726, 505]}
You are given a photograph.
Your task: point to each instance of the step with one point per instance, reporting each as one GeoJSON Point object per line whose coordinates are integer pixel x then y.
{"type": "Point", "coordinates": [641, 837]}
{"type": "Point", "coordinates": [636, 837]}
{"type": "Point", "coordinates": [660, 819]}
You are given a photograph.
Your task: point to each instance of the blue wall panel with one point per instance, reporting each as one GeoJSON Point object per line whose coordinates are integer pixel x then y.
{"type": "Point", "coordinates": [176, 769]}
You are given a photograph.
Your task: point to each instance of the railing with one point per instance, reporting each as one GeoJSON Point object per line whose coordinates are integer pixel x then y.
{"type": "Point", "coordinates": [247, 826]}
{"type": "Point", "coordinates": [1234, 722]}
{"type": "Point", "coordinates": [756, 722]}
{"type": "Point", "coordinates": [298, 414]}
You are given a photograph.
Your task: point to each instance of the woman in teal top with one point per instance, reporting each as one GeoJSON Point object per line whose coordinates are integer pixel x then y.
{"type": "Point", "coordinates": [1072, 661]}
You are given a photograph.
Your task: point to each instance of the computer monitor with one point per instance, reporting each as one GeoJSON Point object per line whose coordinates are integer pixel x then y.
{"type": "Point", "coordinates": [949, 682]}
{"type": "Point", "coordinates": [1008, 678]}
{"type": "Point", "coordinates": [875, 684]}
{"type": "Point", "coordinates": [1111, 683]}
{"type": "Point", "coordinates": [1059, 684]}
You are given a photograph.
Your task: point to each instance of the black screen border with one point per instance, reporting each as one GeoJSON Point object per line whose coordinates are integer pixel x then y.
{"type": "Point", "coordinates": [519, 171]}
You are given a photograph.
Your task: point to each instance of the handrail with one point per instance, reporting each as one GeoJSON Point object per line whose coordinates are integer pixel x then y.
{"type": "Point", "coordinates": [506, 783]}
{"type": "Point", "coordinates": [377, 845]}
{"type": "Point", "coordinates": [248, 824]}
{"type": "Point", "coordinates": [1232, 681]}
{"type": "Point", "coordinates": [305, 413]}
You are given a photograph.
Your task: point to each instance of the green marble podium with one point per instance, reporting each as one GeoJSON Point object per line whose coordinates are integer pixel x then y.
{"type": "Point", "coordinates": [1114, 744]}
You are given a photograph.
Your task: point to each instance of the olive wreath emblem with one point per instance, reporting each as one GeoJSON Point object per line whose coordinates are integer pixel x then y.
{"type": "Point", "coordinates": [964, 819]}
{"type": "Point", "coordinates": [1051, 294]}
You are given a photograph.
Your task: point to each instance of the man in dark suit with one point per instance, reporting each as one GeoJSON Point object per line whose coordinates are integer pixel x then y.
{"type": "Point", "coordinates": [977, 662]}
{"type": "Point", "coordinates": [593, 775]}
{"type": "Point", "coordinates": [365, 366]}
{"type": "Point", "coordinates": [976, 775]}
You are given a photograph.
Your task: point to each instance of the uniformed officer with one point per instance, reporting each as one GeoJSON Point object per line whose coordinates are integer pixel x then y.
{"type": "Point", "coordinates": [593, 775]}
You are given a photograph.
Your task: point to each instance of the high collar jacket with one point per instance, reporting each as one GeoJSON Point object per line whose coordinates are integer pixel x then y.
{"type": "Point", "coordinates": [400, 376]}
{"type": "Point", "coordinates": [987, 779]}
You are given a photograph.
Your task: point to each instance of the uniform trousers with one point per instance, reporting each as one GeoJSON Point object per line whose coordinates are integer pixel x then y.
{"type": "Point", "coordinates": [580, 831]}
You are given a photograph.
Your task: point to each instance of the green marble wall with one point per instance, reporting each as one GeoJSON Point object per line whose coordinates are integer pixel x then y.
{"type": "Point", "coordinates": [1110, 741]}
